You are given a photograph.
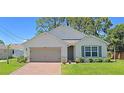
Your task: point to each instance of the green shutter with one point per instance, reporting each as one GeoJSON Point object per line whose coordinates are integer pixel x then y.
{"type": "Point", "coordinates": [100, 51]}
{"type": "Point", "coordinates": [82, 51]}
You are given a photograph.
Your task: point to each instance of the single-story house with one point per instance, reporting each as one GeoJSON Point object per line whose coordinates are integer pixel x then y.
{"type": "Point", "coordinates": [17, 50]}
{"type": "Point", "coordinates": [63, 43]}
{"type": "Point", "coordinates": [4, 52]}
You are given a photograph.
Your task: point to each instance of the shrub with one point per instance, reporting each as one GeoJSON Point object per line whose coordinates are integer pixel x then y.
{"type": "Point", "coordinates": [77, 60]}
{"type": "Point", "coordinates": [64, 63]}
{"type": "Point", "coordinates": [109, 54]}
{"type": "Point", "coordinates": [10, 57]}
{"type": "Point", "coordinates": [22, 59]}
{"type": "Point", "coordinates": [63, 60]}
{"type": "Point", "coordinates": [99, 60]}
{"type": "Point", "coordinates": [82, 60]}
{"type": "Point", "coordinates": [91, 60]}
{"type": "Point", "coordinates": [69, 61]}
{"type": "Point", "coordinates": [107, 60]}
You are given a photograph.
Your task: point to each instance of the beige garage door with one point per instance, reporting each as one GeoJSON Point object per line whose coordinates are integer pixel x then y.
{"type": "Point", "coordinates": [45, 54]}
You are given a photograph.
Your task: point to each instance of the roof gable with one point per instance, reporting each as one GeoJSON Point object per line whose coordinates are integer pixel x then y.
{"type": "Point", "coordinates": [16, 46]}
{"type": "Point", "coordinates": [66, 32]}
{"type": "Point", "coordinates": [96, 38]}
{"type": "Point", "coordinates": [40, 37]}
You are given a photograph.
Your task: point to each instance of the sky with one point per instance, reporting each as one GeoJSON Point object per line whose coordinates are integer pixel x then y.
{"type": "Point", "coordinates": [15, 30]}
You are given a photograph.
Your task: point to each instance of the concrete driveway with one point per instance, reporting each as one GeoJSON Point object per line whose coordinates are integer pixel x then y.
{"type": "Point", "coordinates": [37, 68]}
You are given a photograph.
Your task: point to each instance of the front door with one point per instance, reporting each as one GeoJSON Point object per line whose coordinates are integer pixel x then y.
{"type": "Point", "coordinates": [71, 53]}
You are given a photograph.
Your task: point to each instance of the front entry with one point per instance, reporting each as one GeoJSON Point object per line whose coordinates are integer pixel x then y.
{"type": "Point", "coordinates": [71, 53]}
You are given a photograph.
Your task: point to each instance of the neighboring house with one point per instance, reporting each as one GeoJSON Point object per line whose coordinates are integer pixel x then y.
{"type": "Point", "coordinates": [17, 50]}
{"type": "Point", "coordinates": [63, 43]}
{"type": "Point", "coordinates": [4, 52]}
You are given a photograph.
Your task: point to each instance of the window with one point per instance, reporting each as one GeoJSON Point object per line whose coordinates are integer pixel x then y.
{"type": "Point", "coordinates": [94, 51]}
{"type": "Point", "coordinates": [87, 51]}
{"type": "Point", "coordinates": [91, 51]}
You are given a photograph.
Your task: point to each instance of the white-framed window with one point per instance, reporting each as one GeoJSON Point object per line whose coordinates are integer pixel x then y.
{"type": "Point", "coordinates": [94, 51]}
{"type": "Point", "coordinates": [91, 51]}
{"type": "Point", "coordinates": [87, 51]}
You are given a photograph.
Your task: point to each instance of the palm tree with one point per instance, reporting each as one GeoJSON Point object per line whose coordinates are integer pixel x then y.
{"type": "Point", "coordinates": [114, 44]}
{"type": "Point", "coordinates": [8, 48]}
{"type": "Point", "coordinates": [113, 41]}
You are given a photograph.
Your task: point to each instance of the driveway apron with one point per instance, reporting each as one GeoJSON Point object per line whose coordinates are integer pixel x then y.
{"type": "Point", "coordinates": [38, 68]}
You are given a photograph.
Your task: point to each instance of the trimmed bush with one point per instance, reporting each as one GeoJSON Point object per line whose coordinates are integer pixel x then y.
{"type": "Point", "coordinates": [91, 60]}
{"type": "Point", "coordinates": [10, 57]}
{"type": "Point", "coordinates": [63, 60]}
{"type": "Point", "coordinates": [69, 61]}
{"type": "Point", "coordinates": [22, 59]}
{"type": "Point", "coordinates": [82, 60]}
{"type": "Point", "coordinates": [107, 60]}
{"type": "Point", "coordinates": [77, 60]}
{"type": "Point", "coordinates": [64, 63]}
{"type": "Point", "coordinates": [99, 60]}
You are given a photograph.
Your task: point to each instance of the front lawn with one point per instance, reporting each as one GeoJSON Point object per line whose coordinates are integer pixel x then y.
{"type": "Point", "coordinates": [116, 68]}
{"type": "Point", "coordinates": [6, 69]}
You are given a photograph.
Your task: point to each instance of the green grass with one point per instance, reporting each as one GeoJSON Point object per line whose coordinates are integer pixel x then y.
{"type": "Point", "coordinates": [116, 68]}
{"type": "Point", "coordinates": [6, 69]}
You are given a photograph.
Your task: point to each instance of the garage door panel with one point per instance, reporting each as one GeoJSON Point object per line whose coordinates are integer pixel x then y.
{"type": "Point", "coordinates": [45, 54]}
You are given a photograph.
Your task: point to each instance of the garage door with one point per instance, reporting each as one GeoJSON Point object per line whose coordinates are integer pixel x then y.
{"type": "Point", "coordinates": [45, 54]}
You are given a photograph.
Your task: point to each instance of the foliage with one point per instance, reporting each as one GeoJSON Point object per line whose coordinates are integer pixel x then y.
{"type": "Point", "coordinates": [88, 25]}
{"type": "Point", "coordinates": [77, 60]}
{"type": "Point", "coordinates": [22, 59]}
{"type": "Point", "coordinates": [82, 60]}
{"type": "Point", "coordinates": [1, 42]}
{"type": "Point", "coordinates": [91, 60]}
{"type": "Point", "coordinates": [11, 57]}
{"type": "Point", "coordinates": [109, 54]}
{"type": "Point", "coordinates": [99, 60]}
{"type": "Point", "coordinates": [116, 38]}
{"type": "Point", "coordinates": [48, 23]}
{"type": "Point", "coordinates": [63, 60]}
{"type": "Point", "coordinates": [107, 60]}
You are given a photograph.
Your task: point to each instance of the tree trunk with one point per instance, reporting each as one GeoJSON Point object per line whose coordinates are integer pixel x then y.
{"type": "Point", "coordinates": [114, 54]}
{"type": "Point", "coordinates": [7, 59]}
{"type": "Point", "coordinates": [7, 54]}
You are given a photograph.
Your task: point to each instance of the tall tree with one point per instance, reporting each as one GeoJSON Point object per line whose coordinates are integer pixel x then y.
{"type": "Point", "coordinates": [118, 33]}
{"type": "Point", "coordinates": [1, 42]}
{"type": "Point", "coordinates": [89, 25]}
{"type": "Point", "coordinates": [116, 38]}
{"type": "Point", "coordinates": [113, 41]}
{"type": "Point", "coordinates": [48, 23]}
